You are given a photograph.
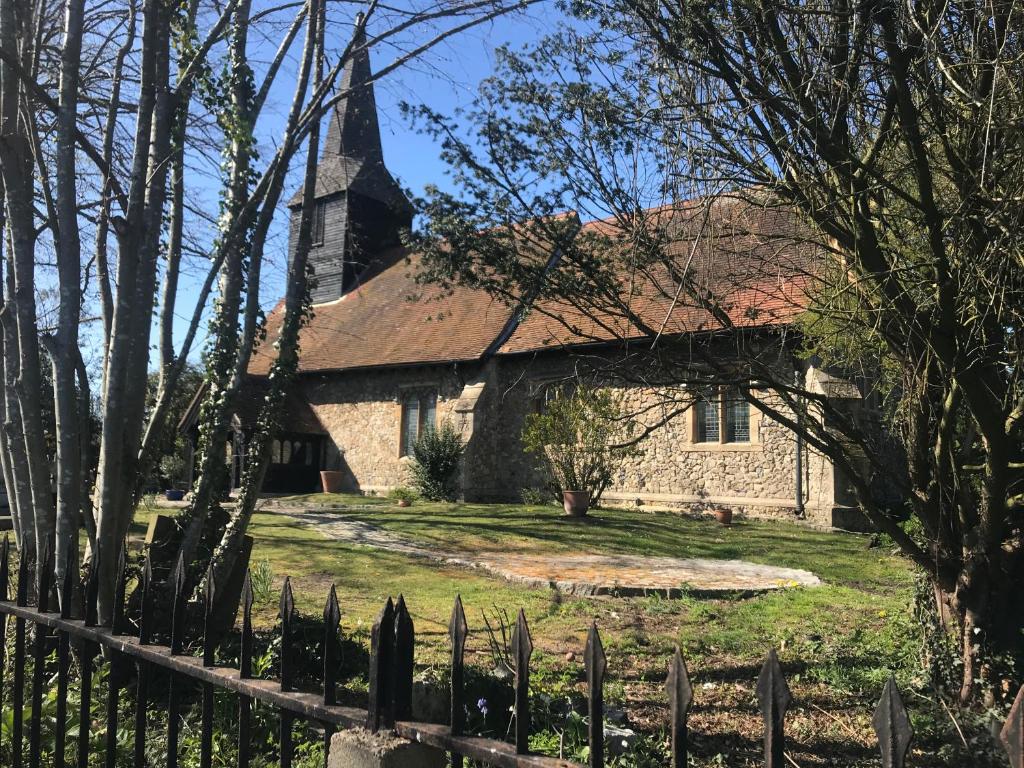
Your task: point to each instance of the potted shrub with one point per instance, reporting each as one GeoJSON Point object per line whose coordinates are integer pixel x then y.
{"type": "Point", "coordinates": [172, 467]}
{"type": "Point", "coordinates": [723, 515]}
{"type": "Point", "coordinates": [402, 495]}
{"type": "Point", "coordinates": [580, 439]}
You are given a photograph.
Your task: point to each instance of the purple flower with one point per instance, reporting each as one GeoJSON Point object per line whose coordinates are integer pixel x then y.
{"type": "Point", "coordinates": [482, 706]}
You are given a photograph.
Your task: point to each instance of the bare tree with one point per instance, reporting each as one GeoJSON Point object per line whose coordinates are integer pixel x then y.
{"type": "Point", "coordinates": [886, 139]}
{"type": "Point", "coordinates": [103, 109]}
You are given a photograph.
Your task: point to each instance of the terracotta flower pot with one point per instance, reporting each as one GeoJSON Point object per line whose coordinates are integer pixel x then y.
{"type": "Point", "coordinates": [331, 480]}
{"type": "Point", "coordinates": [724, 515]}
{"type": "Point", "coordinates": [576, 503]}
{"type": "Point", "coordinates": [404, 503]}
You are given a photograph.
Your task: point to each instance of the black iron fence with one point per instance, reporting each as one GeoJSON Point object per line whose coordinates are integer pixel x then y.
{"type": "Point", "coordinates": [390, 682]}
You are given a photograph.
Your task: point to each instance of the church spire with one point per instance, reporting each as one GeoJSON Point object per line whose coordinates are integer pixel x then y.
{"type": "Point", "coordinates": [360, 209]}
{"type": "Point", "coordinates": [353, 130]}
{"type": "Point", "coordinates": [352, 159]}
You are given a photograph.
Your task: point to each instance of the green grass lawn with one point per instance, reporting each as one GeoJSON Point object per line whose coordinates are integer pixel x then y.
{"type": "Point", "coordinates": [838, 642]}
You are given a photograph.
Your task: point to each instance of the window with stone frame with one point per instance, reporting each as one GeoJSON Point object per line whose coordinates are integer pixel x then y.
{"type": "Point", "coordinates": [319, 222]}
{"type": "Point", "coordinates": [721, 415]}
{"type": "Point", "coordinates": [548, 391]}
{"type": "Point", "coordinates": [419, 413]}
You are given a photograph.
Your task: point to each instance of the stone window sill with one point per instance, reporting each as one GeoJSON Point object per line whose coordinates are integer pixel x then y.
{"type": "Point", "coordinates": [721, 447]}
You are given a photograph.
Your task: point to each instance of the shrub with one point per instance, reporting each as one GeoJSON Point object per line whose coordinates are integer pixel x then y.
{"type": "Point", "coordinates": [580, 439]}
{"type": "Point", "coordinates": [172, 467]}
{"type": "Point", "coordinates": [435, 461]}
{"type": "Point", "coordinates": [401, 493]}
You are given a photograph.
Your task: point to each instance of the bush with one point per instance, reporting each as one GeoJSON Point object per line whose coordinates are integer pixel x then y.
{"type": "Point", "coordinates": [435, 461]}
{"type": "Point", "coordinates": [580, 438]}
{"type": "Point", "coordinates": [172, 467]}
{"type": "Point", "coordinates": [401, 493]}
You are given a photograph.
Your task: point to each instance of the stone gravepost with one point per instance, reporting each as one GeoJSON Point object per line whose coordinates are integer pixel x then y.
{"type": "Point", "coordinates": [359, 748]}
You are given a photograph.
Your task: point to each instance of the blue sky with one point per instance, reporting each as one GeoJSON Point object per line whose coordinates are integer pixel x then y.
{"type": "Point", "coordinates": [444, 79]}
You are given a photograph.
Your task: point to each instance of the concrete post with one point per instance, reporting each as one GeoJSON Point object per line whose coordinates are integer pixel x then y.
{"type": "Point", "coordinates": [359, 748]}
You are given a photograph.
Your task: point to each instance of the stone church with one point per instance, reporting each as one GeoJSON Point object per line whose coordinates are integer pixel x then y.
{"type": "Point", "coordinates": [385, 358]}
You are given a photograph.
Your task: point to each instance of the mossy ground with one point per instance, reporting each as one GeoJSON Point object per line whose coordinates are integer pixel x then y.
{"type": "Point", "coordinates": [838, 643]}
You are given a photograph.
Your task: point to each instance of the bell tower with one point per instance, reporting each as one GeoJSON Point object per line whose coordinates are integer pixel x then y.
{"type": "Point", "coordinates": [360, 209]}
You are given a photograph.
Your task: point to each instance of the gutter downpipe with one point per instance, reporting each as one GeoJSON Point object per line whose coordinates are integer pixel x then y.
{"type": "Point", "coordinates": [800, 511]}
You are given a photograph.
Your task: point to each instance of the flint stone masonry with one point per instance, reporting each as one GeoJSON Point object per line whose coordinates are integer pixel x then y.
{"type": "Point", "coordinates": [489, 402]}
{"type": "Point", "coordinates": [359, 748]}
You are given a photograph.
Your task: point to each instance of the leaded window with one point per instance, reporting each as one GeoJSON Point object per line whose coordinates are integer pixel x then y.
{"type": "Point", "coordinates": [419, 413]}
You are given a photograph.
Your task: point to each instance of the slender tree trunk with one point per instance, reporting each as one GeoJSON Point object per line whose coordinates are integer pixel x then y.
{"type": "Point", "coordinates": [113, 509]}
{"type": "Point", "coordinates": [221, 387]}
{"type": "Point", "coordinates": [64, 347]}
{"type": "Point", "coordinates": [285, 367]}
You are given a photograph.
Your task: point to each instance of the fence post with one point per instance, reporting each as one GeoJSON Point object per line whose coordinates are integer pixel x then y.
{"type": "Point", "coordinates": [142, 669]}
{"type": "Point", "coordinates": [774, 697]}
{"type": "Point", "coordinates": [1012, 734]}
{"type": "Point", "coordinates": [381, 648]}
{"type": "Point", "coordinates": [64, 657]}
{"type": "Point", "coordinates": [458, 631]}
{"type": "Point", "coordinates": [245, 673]}
{"type": "Point", "coordinates": [209, 649]}
{"type": "Point", "coordinates": [287, 614]}
{"type": "Point", "coordinates": [680, 696]}
{"type": "Point", "coordinates": [17, 726]}
{"type": "Point", "coordinates": [332, 615]}
{"type": "Point", "coordinates": [177, 641]}
{"type": "Point", "coordinates": [404, 664]}
{"type": "Point", "coordinates": [44, 567]}
{"type": "Point", "coordinates": [86, 653]}
{"type": "Point", "coordinates": [596, 664]}
{"type": "Point", "coordinates": [522, 650]}
{"type": "Point", "coordinates": [114, 674]}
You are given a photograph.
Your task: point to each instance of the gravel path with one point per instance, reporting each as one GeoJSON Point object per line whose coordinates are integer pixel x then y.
{"type": "Point", "coordinates": [576, 574]}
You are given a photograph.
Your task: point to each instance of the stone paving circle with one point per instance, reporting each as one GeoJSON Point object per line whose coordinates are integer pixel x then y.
{"type": "Point", "coordinates": [581, 574]}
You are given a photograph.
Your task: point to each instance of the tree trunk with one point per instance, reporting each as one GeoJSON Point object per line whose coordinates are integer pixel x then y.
{"type": "Point", "coordinates": [285, 367]}
{"type": "Point", "coordinates": [64, 348]}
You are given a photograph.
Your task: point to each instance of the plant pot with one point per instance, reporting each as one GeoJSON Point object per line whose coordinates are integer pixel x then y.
{"type": "Point", "coordinates": [576, 503]}
{"type": "Point", "coordinates": [404, 503]}
{"type": "Point", "coordinates": [174, 494]}
{"type": "Point", "coordinates": [723, 515]}
{"type": "Point", "coordinates": [331, 480]}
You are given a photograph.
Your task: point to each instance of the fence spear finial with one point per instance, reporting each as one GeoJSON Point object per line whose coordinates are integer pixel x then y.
{"type": "Point", "coordinates": [774, 698]}
{"type": "Point", "coordinates": [522, 650]}
{"type": "Point", "coordinates": [332, 615]}
{"type": "Point", "coordinates": [286, 613]}
{"type": "Point", "coordinates": [209, 635]}
{"type": "Point", "coordinates": [680, 696]}
{"type": "Point", "coordinates": [245, 652]}
{"type": "Point", "coordinates": [67, 587]}
{"type": "Point", "coordinates": [146, 615]}
{"type": "Point", "coordinates": [178, 608]}
{"type": "Point", "coordinates": [892, 726]}
{"type": "Point", "coordinates": [404, 665]}
{"type": "Point", "coordinates": [5, 567]}
{"type": "Point", "coordinates": [381, 649]}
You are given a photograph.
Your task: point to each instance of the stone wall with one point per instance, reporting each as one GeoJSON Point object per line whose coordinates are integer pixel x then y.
{"type": "Point", "coordinates": [671, 470]}
{"type": "Point", "coordinates": [361, 411]}
{"type": "Point", "coordinates": [488, 403]}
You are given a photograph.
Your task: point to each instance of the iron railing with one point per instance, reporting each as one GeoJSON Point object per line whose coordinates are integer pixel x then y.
{"type": "Point", "coordinates": [390, 681]}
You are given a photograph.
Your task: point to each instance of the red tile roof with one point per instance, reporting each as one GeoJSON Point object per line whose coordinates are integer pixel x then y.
{"type": "Point", "coordinates": [745, 254]}
{"type": "Point", "coordinates": [391, 320]}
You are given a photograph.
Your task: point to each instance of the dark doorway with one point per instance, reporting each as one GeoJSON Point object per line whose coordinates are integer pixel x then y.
{"type": "Point", "coordinates": [295, 463]}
